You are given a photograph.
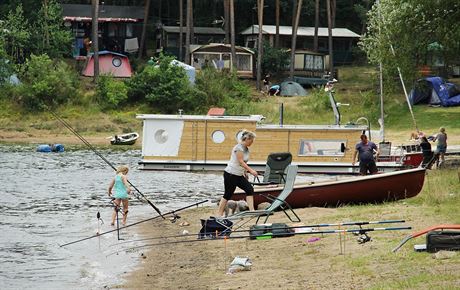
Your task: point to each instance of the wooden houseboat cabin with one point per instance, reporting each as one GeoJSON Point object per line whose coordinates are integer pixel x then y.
{"type": "Point", "coordinates": [199, 142]}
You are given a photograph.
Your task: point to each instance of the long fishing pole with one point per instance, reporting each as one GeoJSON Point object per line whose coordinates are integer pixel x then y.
{"type": "Point", "coordinates": [358, 223]}
{"type": "Point", "coordinates": [133, 224]}
{"type": "Point", "coordinates": [334, 231]}
{"type": "Point", "coordinates": [68, 126]}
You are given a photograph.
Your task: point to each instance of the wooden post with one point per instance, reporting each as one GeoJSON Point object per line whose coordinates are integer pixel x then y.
{"type": "Point", "coordinates": [260, 17]}
{"type": "Point", "coordinates": [232, 34]}
{"type": "Point", "coordinates": [144, 29]}
{"type": "Point", "coordinates": [226, 20]}
{"type": "Point", "coordinates": [95, 37]}
{"type": "Point", "coordinates": [294, 38]}
{"type": "Point", "coordinates": [329, 30]}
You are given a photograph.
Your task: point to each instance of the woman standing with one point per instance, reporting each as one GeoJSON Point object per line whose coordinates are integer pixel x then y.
{"type": "Point", "coordinates": [235, 174]}
{"type": "Point", "coordinates": [441, 147]}
{"type": "Point", "coordinates": [121, 186]}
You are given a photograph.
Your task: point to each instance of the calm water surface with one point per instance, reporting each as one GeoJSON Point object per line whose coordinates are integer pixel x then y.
{"type": "Point", "coordinates": [48, 199]}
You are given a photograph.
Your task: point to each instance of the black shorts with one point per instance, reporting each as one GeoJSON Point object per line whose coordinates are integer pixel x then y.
{"type": "Point", "coordinates": [231, 181]}
{"type": "Point", "coordinates": [370, 166]}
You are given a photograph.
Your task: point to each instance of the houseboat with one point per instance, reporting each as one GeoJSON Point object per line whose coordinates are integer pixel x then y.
{"type": "Point", "coordinates": [203, 142]}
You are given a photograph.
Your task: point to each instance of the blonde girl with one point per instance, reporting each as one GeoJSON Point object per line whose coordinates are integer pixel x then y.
{"type": "Point", "coordinates": [119, 188]}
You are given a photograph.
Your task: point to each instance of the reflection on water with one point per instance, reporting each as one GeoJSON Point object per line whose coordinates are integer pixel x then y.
{"type": "Point", "coordinates": [47, 199]}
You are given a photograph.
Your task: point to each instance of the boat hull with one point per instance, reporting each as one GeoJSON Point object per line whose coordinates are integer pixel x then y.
{"type": "Point", "coordinates": [363, 189]}
{"type": "Point", "coordinates": [304, 167]}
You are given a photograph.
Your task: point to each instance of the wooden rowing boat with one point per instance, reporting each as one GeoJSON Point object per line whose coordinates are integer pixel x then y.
{"type": "Point", "coordinates": [354, 190]}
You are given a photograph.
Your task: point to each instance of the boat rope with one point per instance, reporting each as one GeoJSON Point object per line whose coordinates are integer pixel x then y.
{"type": "Point", "coordinates": [333, 231]}
{"type": "Point", "coordinates": [71, 129]}
{"type": "Point", "coordinates": [358, 223]}
{"type": "Point", "coordinates": [133, 224]}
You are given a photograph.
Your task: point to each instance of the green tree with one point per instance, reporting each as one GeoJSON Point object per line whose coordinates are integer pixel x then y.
{"type": "Point", "coordinates": [51, 37]}
{"type": "Point", "coordinates": [409, 26]}
{"type": "Point", "coordinates": [165, 86]}
{"type": "Point", "coordinates": [274, 60]}
{"type": "Point", "coordinates": [46, 82]}
{"type": "Point", "coordinates": [110, 92]}
{"type": "Point", "coordinates": [15, 32]}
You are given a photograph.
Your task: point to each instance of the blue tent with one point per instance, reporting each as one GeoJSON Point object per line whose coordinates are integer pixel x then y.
{"type": "Point", "coordinates": [189, 70]}
{"type": "Point", "coordinates": [435, 91]}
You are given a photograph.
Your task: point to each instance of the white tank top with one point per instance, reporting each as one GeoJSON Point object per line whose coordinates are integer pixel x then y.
{"type": "Point", "coordinates": [233, 166]}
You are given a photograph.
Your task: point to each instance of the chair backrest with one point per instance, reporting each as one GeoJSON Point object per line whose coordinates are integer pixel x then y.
{"type": "Point", "coordinates": [276, 167]}
{"type": "Point", "coordinates": [288, 187]}
{"type": "Point", "coordinates": [385, 148]}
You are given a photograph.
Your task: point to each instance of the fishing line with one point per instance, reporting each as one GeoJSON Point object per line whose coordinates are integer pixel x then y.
{"type": "Point", "coordinates": [68, 126]}
{"type": "Point", "coordinates": [133, 224]}
{"type": "Point", "coordinates": [334, 231]}
{"type": "Point", "coordinates": [358, 223]}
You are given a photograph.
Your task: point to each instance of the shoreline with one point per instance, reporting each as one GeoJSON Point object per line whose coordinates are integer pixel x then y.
{"type": "Point", "coordinates": [294, 262]}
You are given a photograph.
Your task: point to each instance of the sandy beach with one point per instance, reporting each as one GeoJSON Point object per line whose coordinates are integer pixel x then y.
{"type": "Point", "coordinates": [285, 263]}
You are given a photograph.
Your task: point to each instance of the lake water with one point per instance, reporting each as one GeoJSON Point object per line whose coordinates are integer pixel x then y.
{"type": "Point", "coordinates": [48, 199]}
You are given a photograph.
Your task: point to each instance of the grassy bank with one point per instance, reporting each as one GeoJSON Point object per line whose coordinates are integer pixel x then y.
{"type": "Point", "coordinates": [357, 87]}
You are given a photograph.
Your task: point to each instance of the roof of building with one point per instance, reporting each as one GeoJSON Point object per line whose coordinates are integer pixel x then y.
{"type": "Point", "coordinates": [196, 30]}
{"type": "Point", "coordinates": [105, 11]}
{"type": "Point", "coordinates": [218, 47]}
{"type": "Point", "coordinates": [302, 31]}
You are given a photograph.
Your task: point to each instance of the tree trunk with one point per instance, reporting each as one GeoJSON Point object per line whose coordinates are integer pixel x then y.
{"type": "Point", "coordinates": [260, 17]}
{"type": "Point", "coordinates": [144, 29]}
{"type": "Point", "coordinates": [277, 20]}
{"type": "Point", "coordinates": [329, 30]}
{"type": "Point", "coordinates": [95, 43]}
{"type": "Point", "coordinates": [181, 27]}
{"type": "Point", "coordinates": [187, 32]}
{"type": "Point", "coordinates": [192, 28]}
{"type": "Point", "coordinates": [315, 39]}
{"type": "Point", "coordinates": [47, 33]}
{"type": "Point", "coordinates": [226, 20]}
{"type": "Point", "coordinates": [294, 38]}
{"type": "Point", "coordinates": [333, 11]}
{"type": "Point", "coordinates": [232, 34]}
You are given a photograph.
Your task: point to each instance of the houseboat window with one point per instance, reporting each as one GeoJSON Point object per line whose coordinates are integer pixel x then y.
{"type": "Point", "coordinates": [161, 136]}
{"type": "Point", "coordinates": [310, 147]}
{"type": "Point", "coordinates": [218, 136]}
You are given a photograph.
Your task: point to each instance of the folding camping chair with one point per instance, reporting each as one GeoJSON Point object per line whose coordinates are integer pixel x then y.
{"type": "Point", "coordinates": [277, 201]}
{"type": "Point", "coordinates": [275, 169]}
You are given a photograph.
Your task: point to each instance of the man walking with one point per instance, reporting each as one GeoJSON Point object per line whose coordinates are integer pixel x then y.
{"type": "Point", "coordinates": [365, 150]}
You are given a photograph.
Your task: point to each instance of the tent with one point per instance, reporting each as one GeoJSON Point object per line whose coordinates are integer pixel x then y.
{"type": "Point", "coordinates": [110, 63]}
{"type": "Point", "coordinates": [435, 91]}
{"type": "Point", "coordinates": [189, 70]}
{"type": "Point", "coordinates": [290, 88]}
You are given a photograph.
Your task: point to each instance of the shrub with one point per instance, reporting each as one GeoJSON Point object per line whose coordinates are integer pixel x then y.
{"type": "Point", "coordinates": [110, 92]}
{"type": "Point", "coordinates": [46, 82]}
{"type": "Point", "coordinates": [220, 88]}
{"type": "Point", "coordinates": [165, 86]}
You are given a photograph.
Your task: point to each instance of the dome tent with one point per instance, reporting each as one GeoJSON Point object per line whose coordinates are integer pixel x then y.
{"type": "Point", "coordinates": [291, 88]}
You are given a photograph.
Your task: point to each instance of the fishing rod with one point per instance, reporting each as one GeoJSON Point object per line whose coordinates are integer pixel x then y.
{"type": "Point", "coordinates": [334, 231]}
{"type": "Point", "coordinates": [358, 223]}
{"type": "Point", "coordinates": [173, 212]}
{"type": "Point", "coordinates": [424, 231]}
{"type": "Point", "coordinates": [71, 129]}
